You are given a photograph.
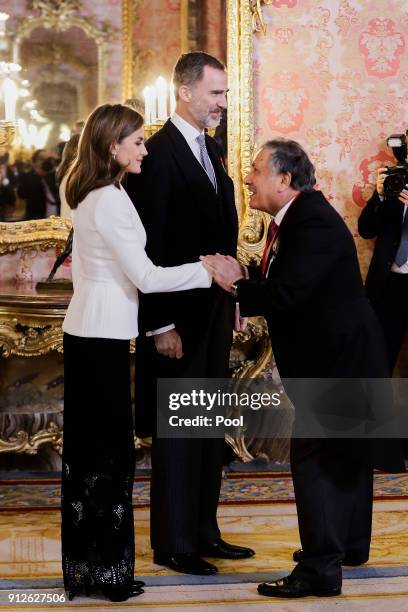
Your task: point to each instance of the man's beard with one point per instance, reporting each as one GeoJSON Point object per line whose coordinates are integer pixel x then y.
{"type": "Point", "coordinates": [210, 122]}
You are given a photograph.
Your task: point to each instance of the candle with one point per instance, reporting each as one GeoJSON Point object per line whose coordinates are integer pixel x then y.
{"type": "Point", "coordinates": [172, 98]}
{"type": "Point", "coordinates": [153, 102]}
{"type": "Point", "coordinates": [10, 99]}
{"type": "Point", "coordinates": [148, 111]}
{"type": "Point", "coordinates": [161, 90]}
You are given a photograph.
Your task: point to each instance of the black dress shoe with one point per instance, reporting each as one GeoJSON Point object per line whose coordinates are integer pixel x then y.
{"type": "Point", "coordinates": [112, 592]}
{"type": "Point", "coordinates": [291, 587]}
{"type": "Point", "coordinates": [348, 560]}
{"type": "Point", "coordinates": [122, 593]}
{"type": "Point", "coordinates": [223, 550]}
{"type": "Point", "coordinates": [186, 563]}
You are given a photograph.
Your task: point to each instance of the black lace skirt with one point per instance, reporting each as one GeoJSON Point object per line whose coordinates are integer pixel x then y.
{"type": "Point", "coordinates": [98, 465]}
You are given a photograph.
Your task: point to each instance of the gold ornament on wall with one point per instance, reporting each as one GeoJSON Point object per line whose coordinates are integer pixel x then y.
{"type": "Point", "coordinates": [258, 21]}
{"type": "Point", "coordinates": [7, 133]}
{"type": "Point", "coordinates": [253, 224]}
{"type": "Point", "coordinates": [56, 12]}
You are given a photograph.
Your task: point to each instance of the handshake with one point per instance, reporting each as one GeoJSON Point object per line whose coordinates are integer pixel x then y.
{"type": "Point", "coordinates": [224, 269]}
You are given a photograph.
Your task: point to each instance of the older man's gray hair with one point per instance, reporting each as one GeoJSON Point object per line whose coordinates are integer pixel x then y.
{"type": "Point", "coordinates": [287, 156]}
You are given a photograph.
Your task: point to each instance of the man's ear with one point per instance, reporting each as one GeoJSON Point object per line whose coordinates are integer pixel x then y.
{"type": "Point", "coordinates": [184, 93]}
{"type": "Point", "coordinates": [287, 179]}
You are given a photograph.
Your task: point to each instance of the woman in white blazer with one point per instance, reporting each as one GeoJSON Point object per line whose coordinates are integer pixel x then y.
{"type": "Point", "coordinates": [109, 265]}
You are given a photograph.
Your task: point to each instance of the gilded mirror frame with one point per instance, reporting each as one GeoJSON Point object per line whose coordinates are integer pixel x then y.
{"type": "Point", "coordinates": [60, 20]}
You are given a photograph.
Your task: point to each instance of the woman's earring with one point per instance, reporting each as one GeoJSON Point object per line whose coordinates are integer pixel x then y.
{"type": "Point", "coordinates": [114, 155]}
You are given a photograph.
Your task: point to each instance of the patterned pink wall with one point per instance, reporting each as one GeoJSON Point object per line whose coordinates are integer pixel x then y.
{"type": "Point", "coordinates": [215, 28]}
{"type": "Point", "coordinates": [156, 40]}
{"type": "Point", "coordinates": [334, 76]}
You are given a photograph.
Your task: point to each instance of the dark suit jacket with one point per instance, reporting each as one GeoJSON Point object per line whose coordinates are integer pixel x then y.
{"type": "Point", "coordinates": [184, 218]}
{"type": "Point", "coordinates": [7, 193]}
{"type": "Point", "coordinates": [320, 322]}
{"type": "Point", "coordinates": [381, 220]}
{"type": "Point", "coordinates": [31, 189]}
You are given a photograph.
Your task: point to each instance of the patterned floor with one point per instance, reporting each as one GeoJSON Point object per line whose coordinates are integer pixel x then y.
{"type": "Point", "coordinates": [30, 553]}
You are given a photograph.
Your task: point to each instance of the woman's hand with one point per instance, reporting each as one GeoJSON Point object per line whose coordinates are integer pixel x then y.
{"type": "Point", "coordinates": [224, 269]}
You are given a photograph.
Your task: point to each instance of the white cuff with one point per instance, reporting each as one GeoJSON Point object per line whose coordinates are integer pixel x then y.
{"type": "Point", "coordinates": [161, 330]}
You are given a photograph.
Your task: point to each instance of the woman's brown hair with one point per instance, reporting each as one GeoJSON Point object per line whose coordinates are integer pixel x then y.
{"type": "Point", "coordinates": [94, 166]}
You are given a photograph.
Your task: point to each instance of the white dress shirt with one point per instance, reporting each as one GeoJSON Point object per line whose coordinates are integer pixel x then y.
{"type": "Point", "coordinates": [109, 265]}
{"type": "Point", "coordinates": [278, 220]}
{"type": "Point", "coordinates": [279, 216]}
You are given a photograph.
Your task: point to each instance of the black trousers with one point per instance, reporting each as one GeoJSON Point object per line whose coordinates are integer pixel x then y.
{"type": "Point", "coordinates": [334, 497]}
{"type": "Point", "coordinates": [185, 494]}
{"type": "Point", "coordinates": [392, 311]}
{"type": "Point", "coordinates": [186, 473]}
{"type": "Point", "coordinates": [98, 458]}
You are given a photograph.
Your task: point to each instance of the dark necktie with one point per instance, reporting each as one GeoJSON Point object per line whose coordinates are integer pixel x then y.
{"type": "Point", "coordinates": [272, 232]}
{"type": "Point", "coordinates": [402, 253]}
{"type": "Point", "coordinates": [205, 160]}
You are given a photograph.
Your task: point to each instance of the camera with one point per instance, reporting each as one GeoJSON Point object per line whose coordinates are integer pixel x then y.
{"type": "Point", "coordinates": [397, 176]}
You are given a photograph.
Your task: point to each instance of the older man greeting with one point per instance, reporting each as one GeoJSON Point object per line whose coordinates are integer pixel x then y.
{"type": "Point", "coordinates": [309, 289]}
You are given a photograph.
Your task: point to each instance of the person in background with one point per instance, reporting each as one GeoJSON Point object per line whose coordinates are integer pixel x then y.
{"type": "Point", "coordinates": [78, 126]}
{"type": "Point", "coordinates": [109, 265]}
{"type": "Point", "coordinates": [136, 104]}
{"type": "Point", "coordinates": [385, 219]}
{"type": "Point", "coordinates": [38, 187]}
{"type": "Point", "coordinates": [8, 185]}
{"type": "Point", "coordinates": [68, 155]}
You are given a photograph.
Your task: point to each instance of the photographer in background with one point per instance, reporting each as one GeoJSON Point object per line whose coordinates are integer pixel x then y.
{"type": "Point", "coordinates": [7, 188]}
{"type": "Point", "coordinates": [384, 218]}
{"type": "Point", "coordinates": [38, 187]}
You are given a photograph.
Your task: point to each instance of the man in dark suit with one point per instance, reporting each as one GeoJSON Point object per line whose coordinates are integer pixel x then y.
{"type": "Point", "coordinates": [38, 187]}
{"type": "Point", "coordinates": [321, 325]}
{"type": "Point", "coordinates": [186, 202]}
{"type": "Point", "coordinates": [384, 218]}
{"type": "Point", "coordinates": [8, 183]}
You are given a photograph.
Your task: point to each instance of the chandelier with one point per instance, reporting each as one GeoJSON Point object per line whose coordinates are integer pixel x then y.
{"type": "Point", "coordinates": [8, 91]}
{"type": "Point", "coordinates": [12, 89]}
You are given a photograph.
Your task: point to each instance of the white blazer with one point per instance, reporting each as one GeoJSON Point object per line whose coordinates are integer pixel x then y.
{"type": "Point", "coordinates": [109, 264]}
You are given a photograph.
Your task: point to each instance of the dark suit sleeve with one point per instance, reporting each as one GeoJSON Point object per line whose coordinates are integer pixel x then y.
{"type": "Point", "coordinates": [297, 272]}
{"type": "Point", "coordinates": [371, 218]}
{"type": "Point", "coordinates": [151, 194]}
{"type": "Point", "coordinates": [255, 272]}
{"type": "Point", "coordinates": [23, 186]}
